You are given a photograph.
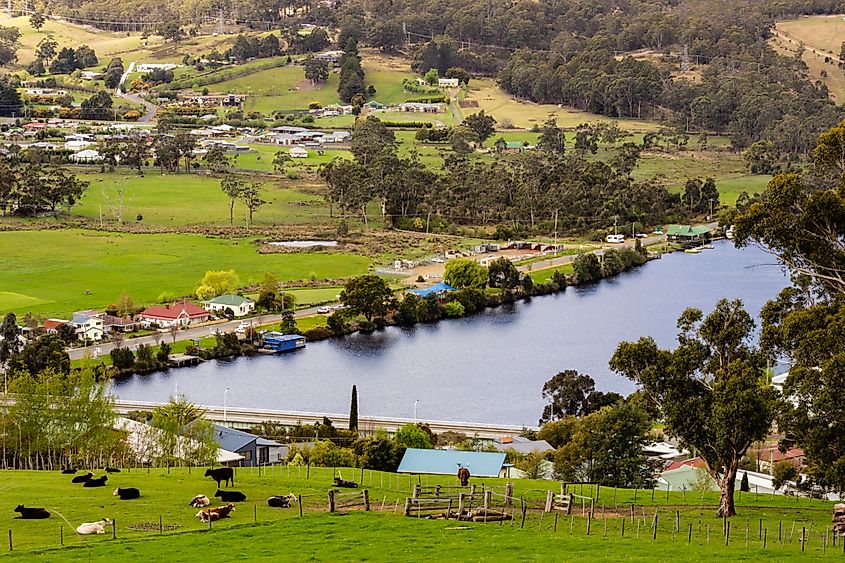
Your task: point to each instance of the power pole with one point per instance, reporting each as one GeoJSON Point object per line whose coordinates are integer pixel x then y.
{"type": "Point", "coordinates": [556, 232]}
{"type": "Point", "coordinates": [711, 210]}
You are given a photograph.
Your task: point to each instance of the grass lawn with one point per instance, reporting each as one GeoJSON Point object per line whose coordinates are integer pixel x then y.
{"type": "Point", "coordinates": [262, 158]}
{"type": "Point", "coordinates": [821, 32]}
{"type": "Point", "coordinates": [257, 532]}
{"type": "Point", "coordinates": [49, 272]}
{"type": "Point", "coordinates": [501, 105]}
{"type": "Point", "coordinates": [192, 199]}
{"type": "Point", "coordinates": [280, 88]}
{"type": "Point", "coordinates": [545, 276]}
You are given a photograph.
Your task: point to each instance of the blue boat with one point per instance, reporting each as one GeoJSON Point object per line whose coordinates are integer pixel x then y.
{"type": "Point", "coordinates": [278, 342]}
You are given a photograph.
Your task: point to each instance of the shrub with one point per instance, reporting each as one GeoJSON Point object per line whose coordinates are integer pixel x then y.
{"type": "Point", "coordinates": [327, 454]}
{"type": "Point", "coordinates": [453, 309]}
{"type": "Point", "coordinates": [366, 326]}
{"type": "Point", "coordinates": [317, 333]}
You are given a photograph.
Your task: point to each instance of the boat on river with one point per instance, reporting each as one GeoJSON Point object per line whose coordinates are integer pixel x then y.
{"type": "Point", "coordinates": [693, 251]}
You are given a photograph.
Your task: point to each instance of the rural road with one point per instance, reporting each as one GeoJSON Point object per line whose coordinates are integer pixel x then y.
{"type": "Point", "coordinates": [189, 334]}
{"type": "Point", "coordinates": [563, 260]}
{"type": "Point", "coordinates": [149, 109]}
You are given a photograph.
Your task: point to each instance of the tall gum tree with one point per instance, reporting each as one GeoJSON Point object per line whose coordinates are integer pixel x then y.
{"type": "Point", "coordinates": [710, 390]}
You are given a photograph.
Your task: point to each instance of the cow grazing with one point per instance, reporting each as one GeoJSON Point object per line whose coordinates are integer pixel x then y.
{"type": "Point", "coordinates": [112, 470]}
{"type": "Point", "coordinates": [214, 514]}
{"type": "Point", "coordinates": [32, 513]}
{"type": "Point", "coordinates": [69, 471]}
{"type": "Point", "coordinates": [338, 482]}
{"type": "Point", "coordinates": [199, 501]}
{"type": "Point", "coordinates": [463, 476]}
{"type": "Point", "coordinates": [230, 496]}
{"type": "Point", "coordinates": [98, 482]}
{"type": "Point", "coordinates": [89, 528]}
{"type": "Point", "coordinates": [82, 478]}
{"type": "Point", "coordinates": [226, 474]}
{"type": "Point", "coordinates": [127, 494]}
{"type": "Point", "coordinates": [282, 501]}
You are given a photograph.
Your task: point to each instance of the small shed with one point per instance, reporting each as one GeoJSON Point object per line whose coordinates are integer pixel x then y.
{"type": "Point", "coordinates": [278, 342]}
{"type": "Point", "coordinates": [447, 462]}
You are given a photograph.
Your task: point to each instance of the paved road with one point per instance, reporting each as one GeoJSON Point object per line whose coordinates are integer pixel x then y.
{"type": "Point", "coordinates": [187, 334]}
{"type": "Point", "coordinates": [563, 260]}
{"type": "Point", "coordinates": [149, 109]}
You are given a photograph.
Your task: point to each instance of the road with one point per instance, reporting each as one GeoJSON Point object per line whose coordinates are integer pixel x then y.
{"type": "Point", "coordinates": [203, 331]}
{"type": "Point", "coordinates": [245, 417]}
{"type": "Point", "coordinates": [563, 260]}
{"type": "Point", "coordinates": [149, 109]}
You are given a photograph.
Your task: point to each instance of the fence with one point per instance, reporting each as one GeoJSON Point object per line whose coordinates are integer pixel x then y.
{"type": "Point", "coordinates": [345, 501]}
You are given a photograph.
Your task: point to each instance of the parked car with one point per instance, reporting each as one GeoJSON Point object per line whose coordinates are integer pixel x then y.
{"type": "Point", "coordinates": [242, 327]}
{"type": "Point", "coordinates": [324, 310]}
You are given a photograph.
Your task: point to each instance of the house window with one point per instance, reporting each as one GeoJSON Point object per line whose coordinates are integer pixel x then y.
{"type": "Point", "coordinates": [247, 455]}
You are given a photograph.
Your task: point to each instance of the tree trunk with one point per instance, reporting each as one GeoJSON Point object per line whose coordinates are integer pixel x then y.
{"type": "Point", "coordinates": [727, 484]}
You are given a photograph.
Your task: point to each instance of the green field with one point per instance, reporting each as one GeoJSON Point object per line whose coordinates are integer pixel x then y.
{"type": "Point", "coordinates": [192, 199]}
{"type": "Point", "coordinates": [256, 532]}
{"type": "Point", "coordinates": [262, 158]}
{"type": "Point", "coordinates": [822, 32]}
{"type": "Point", "coordinates": [49, 272]}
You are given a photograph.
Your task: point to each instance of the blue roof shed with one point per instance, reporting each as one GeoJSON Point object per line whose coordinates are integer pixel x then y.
{"type": "Point", "coordinates": [437, 289]}
{"type": "Point", "coordinates": [447, 462]}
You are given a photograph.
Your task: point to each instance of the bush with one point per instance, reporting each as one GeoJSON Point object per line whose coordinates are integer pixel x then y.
{"type": "Point", "coordinates": [366, 326]}
{"type": "Point", "coordinates": [454, 309]}
{"type": "Point", "coordinates": [327, 454]}
{"type": "Point", "coordinates": [317, 333]}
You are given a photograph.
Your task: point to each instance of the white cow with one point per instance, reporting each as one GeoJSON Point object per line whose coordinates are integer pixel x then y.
{"type": "Point", "coordinates": [199, 501]}
{"type": "Point", "coordinates": [89, 528]}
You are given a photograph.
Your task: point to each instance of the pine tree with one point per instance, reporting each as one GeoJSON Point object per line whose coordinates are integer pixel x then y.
{"type": "Point", "coordinates": [353, 410]}
{"type": "Point", "coordinates": [743, 485]}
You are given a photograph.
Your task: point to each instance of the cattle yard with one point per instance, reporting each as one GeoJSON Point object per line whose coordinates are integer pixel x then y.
{"type": "Point", "coordinates": [597, 521]}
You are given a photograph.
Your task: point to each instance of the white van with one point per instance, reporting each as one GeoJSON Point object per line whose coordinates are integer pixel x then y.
{"type": "Point", "coordinates": [615, 238]}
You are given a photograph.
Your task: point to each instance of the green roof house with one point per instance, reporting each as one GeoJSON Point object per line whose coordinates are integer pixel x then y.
{"type": "Point", "coordinates": [688, 233]}
{"type": "Point", "coordinates": [236, 304]}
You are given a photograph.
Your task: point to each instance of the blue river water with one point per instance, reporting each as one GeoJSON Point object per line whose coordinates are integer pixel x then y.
{"type": "Point", "coordinates": [485, 368]}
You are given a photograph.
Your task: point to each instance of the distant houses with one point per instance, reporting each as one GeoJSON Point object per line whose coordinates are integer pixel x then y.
{"type": "Point", "coordinates": [183, 313]}
{"type": "Point", "coordinates": [298, 152]}
{"type": "Point", "coordinates": [236, 305]}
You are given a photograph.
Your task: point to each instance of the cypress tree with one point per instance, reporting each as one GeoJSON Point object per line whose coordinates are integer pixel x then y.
{"type": "Point", "coordinates": [353, 410]}
{"type": "Point", "coordinates": [743, 485]}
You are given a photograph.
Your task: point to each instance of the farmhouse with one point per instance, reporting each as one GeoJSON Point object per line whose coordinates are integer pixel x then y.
{"type": "Point", "coordinates": [298, 152]}
{"type": "Point", "coordinates": [147, 67]}
{"type": "Point", "coordinates": [329, 56]}
{"type": "Point", "coordinates": [117, 324]}
{"type": "Point", "coordinates": [238, 306]}
{"type": "Point", "coordinates": [88, 325]}
{"type": "Point", "coordinates": [447, 462]}
{"type": "Point", "coordinates": [51, 326]}
{"type": "Point", "coordinates": [253, 449]}
{"type": "Point", "coordinates": [87, 156]}
{"type": "Point", "coordinates": [448, 82]}
{"type": "Point", "coordinates": [183, 313]}
{"type": "Point", "coordinates": [90, 75]}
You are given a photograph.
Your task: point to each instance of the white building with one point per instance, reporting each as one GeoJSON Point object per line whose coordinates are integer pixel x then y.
{"type": "Point", "coordinates": [298, 152]}
{"type": "Point", "coordinates": [448, 82]}
{"type": "Point", "coordinates": [88, 325]}
{"type": "Point", "coordinates": [239, 306]}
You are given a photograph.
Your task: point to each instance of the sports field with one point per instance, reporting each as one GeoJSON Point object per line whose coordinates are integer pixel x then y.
{"type": "Point", "coordinates": [684, 527]}
{"type": "Point", "coordinates": [57, 272]}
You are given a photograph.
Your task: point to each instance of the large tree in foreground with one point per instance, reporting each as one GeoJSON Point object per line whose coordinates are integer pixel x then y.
{"type": "Point", "coordinates": [710, 389]}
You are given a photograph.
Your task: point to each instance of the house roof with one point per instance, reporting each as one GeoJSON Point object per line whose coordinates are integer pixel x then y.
{"type": "Point", "coordinates": [687, 230]}
{"type": "Point", "coordinates": [80, 317]}
{"type": "Point", "coordinates": [51, 324]}
{"type": "Point", "coordinates": [695, 462]}
{"type": "Point", "coordinates": [234, 440]}
{"type": "Point", "coordinates": [447, 462]}
{"type": "Point", "coordinates": [441, 287]}
{"type": "Point", "coordinates": [172, 312]}
{"type": "Point", "coordinates": [234, 300]}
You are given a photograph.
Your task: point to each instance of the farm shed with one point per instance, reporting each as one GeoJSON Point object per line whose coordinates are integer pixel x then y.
{"type": "Point", "coordinates": [447, 462]}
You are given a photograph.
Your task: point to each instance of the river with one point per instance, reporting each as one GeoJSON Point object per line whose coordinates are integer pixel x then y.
{"type": "Point", "coordinates": [485, 368]}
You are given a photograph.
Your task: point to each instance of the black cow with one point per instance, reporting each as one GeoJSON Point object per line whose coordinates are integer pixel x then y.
{"type": "Point", "coordinates": [230, 496]}
{"type": "Point", "coordinates": [338, 482]}
{"type": "Point", "coordinates": [226, 474]}
{"type": "Point", "coordinates": [32, 513]}
{"type": "Point", "coordinates": [127, 494]}
{"type": "Point", "coordinates": [82, 478]}
{"type": "Point", "coordinates": [112, 470]}
{"type": "Point", "coordinates": [98, 482]}
{"type": "Point", "coordinates": [69, 471]}
{"type": "Point", "coordinates": [281, 501]}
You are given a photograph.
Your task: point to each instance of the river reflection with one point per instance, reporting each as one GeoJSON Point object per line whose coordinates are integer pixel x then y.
{"type": "Point", "coordinates": [486, 368]}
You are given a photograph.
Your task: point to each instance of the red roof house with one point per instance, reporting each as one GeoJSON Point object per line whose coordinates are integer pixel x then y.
{"type": "Point", "coordinates": [696, 462]}
{"type": "Point", "coordinates": [176, 314]}
{"type": "Point", "coordinates": [34, 125]}
{"type": "Point", "coordinates": [52, 325]}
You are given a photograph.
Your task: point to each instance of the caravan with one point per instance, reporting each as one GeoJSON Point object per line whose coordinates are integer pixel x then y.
{"type": "Point", "coordinates": [614, 239]}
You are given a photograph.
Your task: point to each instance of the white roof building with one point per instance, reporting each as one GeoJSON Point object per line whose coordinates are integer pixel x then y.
{"type": "Point", "coordinates": [298, 152]}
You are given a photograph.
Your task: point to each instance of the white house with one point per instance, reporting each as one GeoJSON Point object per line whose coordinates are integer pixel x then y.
{"type": "Point", "coordinates": [88, 325]}
{"type": "Point", "coordinates": [239, 306]}
{"type": "Point", "coordinates": [298, 152]}
{"type": "Point", "coordinates": [448, 82]}
{"type": "Point", "coordinates": [91, 75]}
{"type": "Point", "coordinates": [86, 157]}
{"type": "Point", "coordinates": [285, 139]}
{"type": "Point", "coordinates": [147, 67]}
{"type": "Point", "coordinates": [77, 145]}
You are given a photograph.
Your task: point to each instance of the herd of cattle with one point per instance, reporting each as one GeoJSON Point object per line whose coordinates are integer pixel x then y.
{"type": "Point", "coordinates": [225, 475]}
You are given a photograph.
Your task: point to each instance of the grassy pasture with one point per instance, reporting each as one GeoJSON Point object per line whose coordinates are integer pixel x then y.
{"type": "Point", "coordinates": [822, 32]}
{"type": "Point", "coordinates": [494, 101]}
{"type": "Point", "coordinates": [257, 532]}
{"type": "Point", "coordinates": [191, 199]}
{"type": "Point", "coordinates": [835, 79]}
{"type": "Point", "coordinates": [48, 272]}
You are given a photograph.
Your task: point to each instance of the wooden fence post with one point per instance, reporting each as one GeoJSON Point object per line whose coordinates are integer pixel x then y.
{"type": "Point", "coordinates": [550, 496]}
{"type": "Point", "coordinates": [331, 500]}
{"type": "Point", "coordinates": [487, 496]}
{"type": "Point", "coordinates": [300, 506]}
{"type": "Point", "coordinates": [113, 530]}
{"type": "Point", "coordinates": [160, 525]}
{"type": "Point", "coordinates": [408, 506]}
{"type": "Point", "coordinates": [61, 534]}
{"type": "Point", "coordinates": [417, 490]}
{"type": "Point", "coordinates": [509, 493]}
{"type": "Point", "coordinates": [437, 491]}
{"type": "Point", "coordinates": [366, 500]}
{"type": "Point", "coordinates": [10, 540]}
{"type": "Point", "coordinates": [461, 504]}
